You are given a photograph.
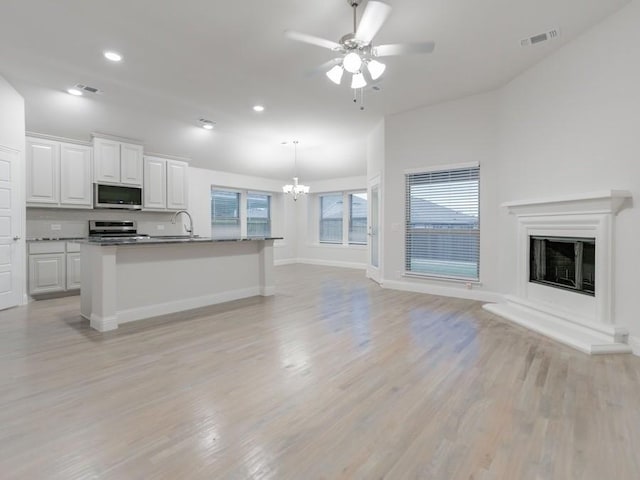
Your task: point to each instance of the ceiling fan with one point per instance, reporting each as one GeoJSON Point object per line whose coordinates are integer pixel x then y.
{"type": "Point", "coordinates": [356, 50]}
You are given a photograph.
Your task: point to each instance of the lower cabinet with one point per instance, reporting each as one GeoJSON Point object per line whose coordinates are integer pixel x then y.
{"type": "Point", "coordinates": [53, 267]}
{"type": "Point", "coordinates": [47, 273]}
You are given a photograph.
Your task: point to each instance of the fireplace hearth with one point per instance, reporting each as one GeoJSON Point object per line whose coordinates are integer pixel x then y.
{"type": "Point", "coordinates": [562, 262]}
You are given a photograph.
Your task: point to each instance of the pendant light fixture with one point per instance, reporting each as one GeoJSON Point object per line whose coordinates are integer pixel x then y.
{"type": "Point", "coordinates": [296, 189]}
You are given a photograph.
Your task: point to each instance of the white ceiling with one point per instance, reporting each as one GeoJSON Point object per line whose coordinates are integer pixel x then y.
{"type": "Point", "coordinates": [189, 59]}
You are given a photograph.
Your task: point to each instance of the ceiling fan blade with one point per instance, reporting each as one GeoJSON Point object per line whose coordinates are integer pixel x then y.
{"type": "Point", "coordinates": [403, 49]}
{"type": "Point", "coordinates": [324, 68]}
{"type": "Point", "coordinates": [374, 16]}
{"type": "Point", "coordinates": [312, 40]}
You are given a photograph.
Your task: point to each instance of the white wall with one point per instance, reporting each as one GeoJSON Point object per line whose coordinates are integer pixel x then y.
{"type": "Point", "coordinates": [282, 214]}
{"type": "Point", "coordinates": [309, 249]}
{"type": "Point", "coordinates": [568, 125]}
{"type": "Point", "coordinates": [12, 135]}
{"type": "Point", "coordinates": [458, 132]}
{"type": "Point", "coordinates": [12, 119]}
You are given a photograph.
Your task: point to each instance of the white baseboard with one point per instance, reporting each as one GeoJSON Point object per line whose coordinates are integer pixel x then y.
{"type": "Point", "coordinates": [285, 261]}
{"type": "Point", "coordinates": [634, 343]}
{"type": "Point", "coordinates": [323, 263]}
{"type": "Point", "coordinates": [333, 263]}
{"type": "Point", "coordinates": [155, 310]}
{"type": "Point", "coordinates": [444, 291]}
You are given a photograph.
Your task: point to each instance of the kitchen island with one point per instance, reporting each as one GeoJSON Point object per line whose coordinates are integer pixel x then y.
{"type": "Point", "coordinates": [124, 280]}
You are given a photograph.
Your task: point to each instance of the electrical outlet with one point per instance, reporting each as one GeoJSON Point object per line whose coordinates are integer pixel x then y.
{"type": "Point", "coordinates": [160, 227]}
{"type": "Point", "coordinates": [56, 226]}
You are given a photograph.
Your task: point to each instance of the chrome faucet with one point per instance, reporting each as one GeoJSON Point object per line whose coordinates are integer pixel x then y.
{"type": "Point", "coordinates": [190, 229]}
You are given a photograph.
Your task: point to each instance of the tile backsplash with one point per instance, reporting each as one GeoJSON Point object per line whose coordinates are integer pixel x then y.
{"type": "Point", "coordinates": [54, 222]}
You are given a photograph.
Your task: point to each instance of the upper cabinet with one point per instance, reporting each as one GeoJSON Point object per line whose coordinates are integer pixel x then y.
{"type": "Point", "coordinates": [43, 166]}
{"type": "Point", "coordinates": [177, 185]}
{"type": "Point", "coordinates": [58, 174]}
{"type": "Point", "coordinates": [117, 162]}
{"type": "Point", "coordinates": [165, 184]}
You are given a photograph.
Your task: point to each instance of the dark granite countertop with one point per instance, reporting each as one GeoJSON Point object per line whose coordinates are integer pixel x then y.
{"type": "Point", "coordinates": [54, 239]}
{"type": "Point", "coordinates": [168, 240]}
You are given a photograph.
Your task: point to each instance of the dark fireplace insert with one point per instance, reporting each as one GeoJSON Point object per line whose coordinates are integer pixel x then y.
{"type": "Point", "coordinates": [562, 262]}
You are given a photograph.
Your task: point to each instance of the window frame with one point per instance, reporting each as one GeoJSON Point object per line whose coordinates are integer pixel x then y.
{"type": "Point", "coordinates": [215, 188]}
{"type": "Point", "coordinates": [478, 230]}
{"type": "Point", "coordinates": [346, 218]}
{"type": "Point", "coordinates": [269, 212]}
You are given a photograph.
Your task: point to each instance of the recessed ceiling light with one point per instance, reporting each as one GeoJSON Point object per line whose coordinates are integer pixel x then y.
{"type": "Point", "coordinates": [74, 91]}
{"type": "Point", "coordinates": [113, 56]}
{"type": "Point", "coordinates": [258, 108]}
{"type": "Point", "coordinates": [206, 124]}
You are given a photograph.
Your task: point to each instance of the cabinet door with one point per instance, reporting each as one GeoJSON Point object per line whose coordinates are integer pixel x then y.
{"type": "Point", "coordinates": [177, 185]}
{"type": "Point", "coordinates": [106, 160]}
{"type": "Point", "coordinates": [131, 164]}
{"type": "Point", "coordinates": [155, 183]}
{"type": "Point", "coordinates": [46, 273]}
{"type": "Point", "coordinates": [43, 162]}
{"type": "Point", "coordinates": [75, 175]}
{"type": "Point", "coordinates": [73, 271]}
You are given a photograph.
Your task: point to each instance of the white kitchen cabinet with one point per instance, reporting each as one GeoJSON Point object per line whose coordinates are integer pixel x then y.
{"type": "Point", "coordinates": [75, 175]}
{"type": "Point", "coordinates": [165, 184]}
{"type": "Point", "coordinates": [131, 164]}
{"type": "Point", "coordinates": [155, 180]}
{"type": "Point", "coordinates": [47, 273]}
{"type": "Point", "coordinates": [117, 162]}
{"type": "Point", "coordinates": [73, 271]}
{"type": "Point", "coordinates": [177, 185]}
{"type": "Point", "coordinates": [54, 267]}
{"type": "Point", "coordinates": [58, 174]}
{"type": "Point", "coordinates": [43, 164]}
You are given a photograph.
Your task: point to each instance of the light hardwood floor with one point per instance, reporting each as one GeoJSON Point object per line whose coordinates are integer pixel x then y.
{"type": "Point", "coordinates": [333, 378]}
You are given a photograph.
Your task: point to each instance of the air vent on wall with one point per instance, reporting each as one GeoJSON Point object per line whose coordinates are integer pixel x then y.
{"type": "Point", "coordinates": [88, 89]}
{"type": "Point", "coordinates": [540, 38]}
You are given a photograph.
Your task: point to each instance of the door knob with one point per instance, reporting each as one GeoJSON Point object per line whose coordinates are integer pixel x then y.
{"type": "Point", "coordinates": [16, 238]}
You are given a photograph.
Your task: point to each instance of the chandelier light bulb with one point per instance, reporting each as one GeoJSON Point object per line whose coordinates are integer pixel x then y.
{"type": "Point", "coordinates": [358, 81]}
{"type": "Point", "coordinates": [376, 69]}
{"type": "Point", "coordinates": [352, 62]}
{"type": "Point", "coordinates": [335, 74]}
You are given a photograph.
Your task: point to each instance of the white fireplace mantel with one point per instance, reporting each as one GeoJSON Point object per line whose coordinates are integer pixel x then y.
{"type": "Point", "coordinates": [606, 201]}
{"type": "Point", "coordinates": [583, 322]}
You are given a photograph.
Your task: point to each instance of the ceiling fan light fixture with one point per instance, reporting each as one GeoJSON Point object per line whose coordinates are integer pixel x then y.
{"type": "Point", "coordinates": [376, 69]}
{"type": "Point", "coordinates": [358, 81]}
{"type": "Point", "coordinates": [335, 74]}
{"type": "Point", "coordinates": [352, 62]}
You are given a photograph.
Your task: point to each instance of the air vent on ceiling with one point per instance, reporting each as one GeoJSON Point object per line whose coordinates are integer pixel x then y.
{"type": "Point", "coordinates": [88, 89]}
{"type": "Point", "coordinates": [541, 38]}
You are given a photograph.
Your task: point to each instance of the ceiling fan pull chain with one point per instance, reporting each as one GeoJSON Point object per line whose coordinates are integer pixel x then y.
{"type": "Point", "coordinates": [355, 95]}
{"type": "Point", "coordinates": [362, 99]}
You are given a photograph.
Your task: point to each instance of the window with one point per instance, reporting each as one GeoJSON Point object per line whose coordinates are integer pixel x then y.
{"type": "Point", "coordinates": [331, 213]}
{"type": "Point", "coordinates": [334, 218]}
{"type": "Point", "coordinates": [358, 218]}
{"type": "Point", "coordinates": [442, 223]}
{"type": "Point", "coordinates": [258, 215]}
{"type": "Point", "coordinates": [225, 213]}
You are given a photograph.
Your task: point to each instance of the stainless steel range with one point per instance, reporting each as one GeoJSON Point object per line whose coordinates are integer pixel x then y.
{"type": "Point", "coordinates": [112, 229]}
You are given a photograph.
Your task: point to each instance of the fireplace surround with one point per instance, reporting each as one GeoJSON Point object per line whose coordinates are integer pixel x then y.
{"type": "Point", "coordinates": [575, 308]}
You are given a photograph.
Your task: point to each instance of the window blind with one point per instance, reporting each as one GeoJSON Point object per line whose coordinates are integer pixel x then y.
{"type": "Point", "coordinates": [258, 215]}
{"type": "Point", "coordinates": [442, 236]}
{"type": "Point", "coordinates": [331, 212]}
{"type": "Point", "coordinates": [225, 214]}
{"type": "Point", "coordinates": [358, 218]}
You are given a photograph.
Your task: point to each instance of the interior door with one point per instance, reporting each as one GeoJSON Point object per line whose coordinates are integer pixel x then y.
{"type": "Point", "coordinates": [10, 258]}
{"type": "Point", "coordinates": [374, 272]}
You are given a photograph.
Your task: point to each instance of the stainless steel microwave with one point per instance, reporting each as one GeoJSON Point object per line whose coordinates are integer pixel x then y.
{"type": "Point", "coordinates": [117, 196]}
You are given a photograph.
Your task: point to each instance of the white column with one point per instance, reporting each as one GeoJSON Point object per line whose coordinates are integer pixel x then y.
{"type": "Point", "coordinates": [265, 257]}
{"type": "Point", "coordinates": [98, 293]}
